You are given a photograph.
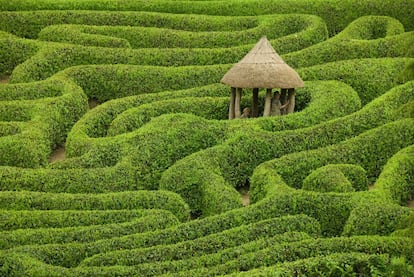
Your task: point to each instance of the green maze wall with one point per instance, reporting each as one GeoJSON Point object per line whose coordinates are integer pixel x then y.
{"type": "Point", "coordinates": [153, 175]}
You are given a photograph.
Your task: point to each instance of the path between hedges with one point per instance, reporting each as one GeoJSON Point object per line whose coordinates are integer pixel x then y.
{"type": "Point", "coordinates": [59, 154]}
{"type": "Point", "coordinates": [4, 79]}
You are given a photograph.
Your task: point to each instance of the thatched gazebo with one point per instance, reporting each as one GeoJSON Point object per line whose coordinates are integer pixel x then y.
{"type": "Point", "coordinates": [262, 67]}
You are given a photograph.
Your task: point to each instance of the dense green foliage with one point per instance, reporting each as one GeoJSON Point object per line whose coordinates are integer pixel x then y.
{"type": "Point", "coordinates": [155, 177]}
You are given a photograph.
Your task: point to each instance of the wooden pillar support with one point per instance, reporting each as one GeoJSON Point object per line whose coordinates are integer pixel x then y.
{"type": "Point", "coordinates": [237, 101]}
{"type": "Point", "coordinates": [291, 105]}
{"type": "Point", "coordinates": [268, 102]}
{"type": "Point", "coordinates": [283, 100]}
{"type": "Point", "coordinates": [255, 106]}
{"type": "Point", "coordinates": [232, 101]}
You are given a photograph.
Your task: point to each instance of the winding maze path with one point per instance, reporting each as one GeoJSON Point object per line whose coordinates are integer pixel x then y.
{"type": "Point", "coordinates": [151, 179]}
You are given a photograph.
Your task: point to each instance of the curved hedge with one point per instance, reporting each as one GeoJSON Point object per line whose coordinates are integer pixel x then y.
{"type": "Point", "coordinates": [234, 162]}
{"type": "Point", "coordinates": [336, 178]}
{"type": "Point", "coordinates": [338, 264]}
{"type": "Point", "coordinates": [162, 124]}
{"type": "Point", "coordinates": [396, 177]}
{"type": "Point", "coordinates": [150, 220]}
{"type": "Point", "coordinates": [60, 219]}
{"type": "Point", "coordinates": [24, 200]}
{"type": "Point", "coordinates": [307, 249]}
{"type": "Point", "coordinates": [206, 245]}
{"type": "Point", "coordinates": [47, 111]}
{"type": "Point", "coordinates": [283, 29]}
{"type": "Point", "coordinates": [53, 58]}
{"type": "Point", "coordinates": [337, 15]}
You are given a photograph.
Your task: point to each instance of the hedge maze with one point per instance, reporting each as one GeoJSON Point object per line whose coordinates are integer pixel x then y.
{"type": "Point", "coordinates": [154, 175]}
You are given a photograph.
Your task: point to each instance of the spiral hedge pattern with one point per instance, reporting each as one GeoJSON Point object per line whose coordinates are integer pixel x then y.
{"type": "Point", "coordinates": [154, 175]}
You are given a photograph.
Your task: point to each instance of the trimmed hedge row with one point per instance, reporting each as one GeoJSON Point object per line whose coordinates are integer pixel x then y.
{"type": "Point", "coordinates": [236, 159]}
{"type": "Point", "coordinates": [365, 150]}
{"type": "Point", "coordinates": [71, 254]}
{"type": "Point", "coordinates": [337, 15]}
{"type": "Point", "coordinates": [358, 74]}
{"type": "Point", "coordinates": [46, 120]}
{"type": "Point", "coordinates": [374, 217]}
{"type": "Point", "coordinates": [134, 118]}
{"type": "Point", "coordinates": [24, 200]}
{"type": "Point", "coordinates": [372, 27]}
{"type": "Point", "coordinates": [105, 82]}
{"type": "Point", "coordinates": [321, 108]}
{"type": "Point", "coordinates": [52, 59]}
{"type": "Point", "coordinates": [397, 176]}
{"type": "Point", "coordinates": [331, 209]}
{"type": "Point", "coordinates": [327, 100]}
{"type": "Point", "coordinates": [400, 247]}
{"type": "Point", "coordinates": [336, 178]}
{"type": "Point", "coordinates": [284, 29]}
{"type": "Point", "coordinates": [134, 169]}
{"type": "Point", "coordinates": [95, 124]}
{"type": "Point", "coordinates": [13, 220]}
{"type": "Point", "coordinates": [29, 24]}
{"type": "Point", "coordinates": [158, 268]}
{"type": "Point", "coordinates": [151, 220]}
{"type": "Point", "coordinates": [338, 264]}
{"type": "Point", "coordinates": [14, 51]}
{"type": "Point", "coordinates": [206, 245]}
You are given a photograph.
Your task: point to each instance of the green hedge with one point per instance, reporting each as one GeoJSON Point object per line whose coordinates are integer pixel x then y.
{"type": "Point", "coordinates": [358, 74]}
{"type": "Point", "coordinates": [24, 200]}
{"type": "Point", "coordinates": [29, 24]}
{"type": "Point", "coordinates": [375, 217]}
{"type": "Point", "coordinates": [128, 169]}
{"type": "Point", "coordinates": [105, 82]}
{"type": "Point", "coordinates": [13, 220]}
{"type": "Point", "coordinates": [54, 58]}
{"type": "Point", "coordinates": [330, 209]}
{"type": "Point", "coordinates": [71, 254]}
{"type": "Point", "coordinates": [96, 122]}
{"type": "Point", "coordinates": [365, 150]}
{"type": "Point", "coordinates": [337, 15]}
{"type": "Point", "coordinates": [372, 27]}
{"type": "Point", "coordinates": [158, 268]}
{"type": "Point", "coordinates": [46, 120]}
{"type": "Point", "coordinates": [284, 29]}
{"type": "Point", "coordinates": [14, 51]}
{"type": "Point", "coordinates": [293, 251]}
{"type": "Point", "coordinates": [327, 100]}
{"type": "Point", "coordinates": [336, 178]}
{"type": "Point", "coordinates": [397, 176]}
{"type": "Point", "coordinates": [134, 118]}
{"type": "Point", "coordinates": [338, 264]}
{"type": "Point", "coordinates": [150, 220]}
{"type": "Point", "coordinates": [236, 159]}
{"type": "Point", "coordinates": [206, 245]}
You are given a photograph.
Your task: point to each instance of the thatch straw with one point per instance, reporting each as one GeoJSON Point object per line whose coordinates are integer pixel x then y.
{"type": "Point", "coordinates": [262, 67]}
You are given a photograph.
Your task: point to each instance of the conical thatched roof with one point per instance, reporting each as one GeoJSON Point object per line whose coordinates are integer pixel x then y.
{"type": "Point", "coordinates": [262, 67]}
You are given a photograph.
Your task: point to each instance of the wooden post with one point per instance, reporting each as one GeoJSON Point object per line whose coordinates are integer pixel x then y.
{"type": "Point", "coordinates": [283, 100]}
{"type": "Point", "coordinates": [232, 100]}
{"type": "Point", "coordinates": [255, 107]}
{"type": "Point", "coordinates": [291, 106]}
{"type": "Point", "coordinates": [268, 102]}
{"type": "Point", "coordinates": [237, 101]}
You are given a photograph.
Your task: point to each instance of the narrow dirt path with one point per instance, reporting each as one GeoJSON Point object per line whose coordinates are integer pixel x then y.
{"type": "Point", "coordinates": [4, 79]}
{"type": "Point", "coordinates": [246, 199]}
{"type": "Point", "coordinates": [58, 154]}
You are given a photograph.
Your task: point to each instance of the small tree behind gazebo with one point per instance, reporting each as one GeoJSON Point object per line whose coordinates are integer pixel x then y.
{"type": "Point", "coordinates": [262, 67]}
